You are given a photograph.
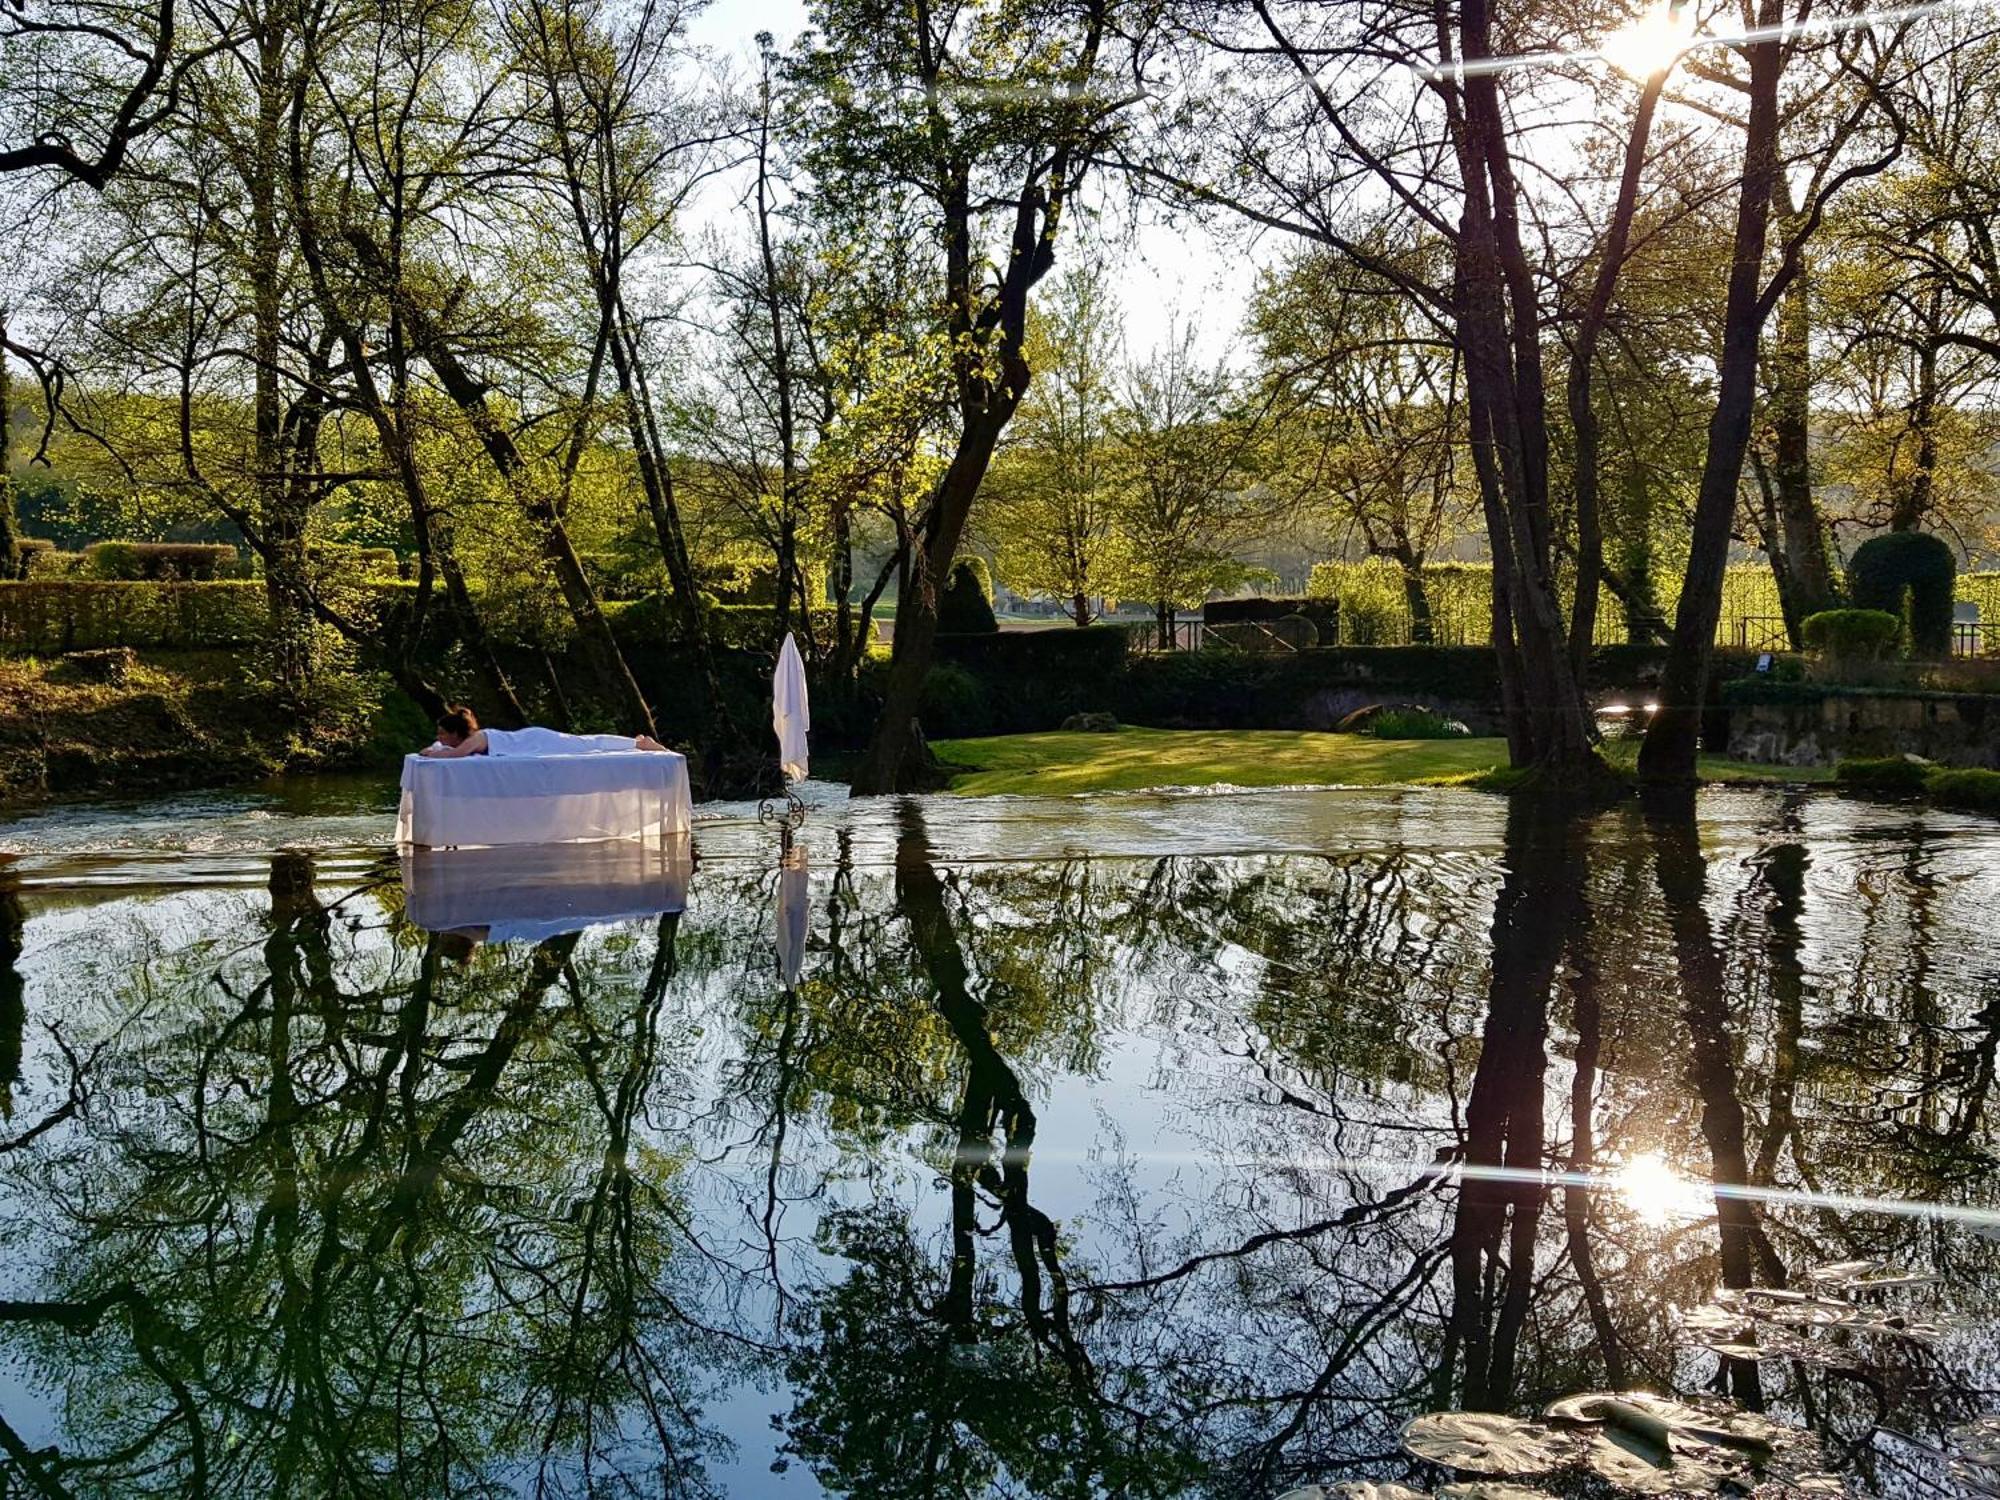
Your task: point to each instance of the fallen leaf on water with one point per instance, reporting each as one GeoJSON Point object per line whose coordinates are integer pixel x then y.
{"type": "Point", "coordinates": [1485, 1443]}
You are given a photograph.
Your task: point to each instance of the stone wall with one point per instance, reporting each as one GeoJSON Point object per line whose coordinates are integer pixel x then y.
{"type": "Point", "coordinates": [1816, 727]}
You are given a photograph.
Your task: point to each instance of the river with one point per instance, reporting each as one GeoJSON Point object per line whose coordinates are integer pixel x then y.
{"type": "Point", "coordinates": [1146, 1144]}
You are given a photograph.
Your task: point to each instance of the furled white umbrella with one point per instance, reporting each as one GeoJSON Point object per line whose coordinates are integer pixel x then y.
{"type": "Point", "coordinates": [791, 716]}
{"type": "Point", "coordinates": [794, 915]}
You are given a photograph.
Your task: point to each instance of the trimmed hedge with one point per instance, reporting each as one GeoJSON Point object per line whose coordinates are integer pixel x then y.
{"type": "Point", "coordinates": [51, 563]}
{"type": "Point", "coordinates": [642, 624]}
{"type": "Point", "coordinates": [184, 562]}
{"type": "Point", "coordinates": [45, 618]}
{"type": "Point", "coordinates": [1973, 789]}
{"type": "Point", "coordinates": [1021, 681]}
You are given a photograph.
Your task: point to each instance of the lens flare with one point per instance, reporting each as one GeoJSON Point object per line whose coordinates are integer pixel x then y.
{"type": "Point", "coordinates": [1650, 44]}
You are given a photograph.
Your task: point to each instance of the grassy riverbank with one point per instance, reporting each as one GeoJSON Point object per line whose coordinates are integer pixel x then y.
{"type": "Point", "coordinates": [113, 722]}
{"type": "Point", "coordinates": [1134, 759]}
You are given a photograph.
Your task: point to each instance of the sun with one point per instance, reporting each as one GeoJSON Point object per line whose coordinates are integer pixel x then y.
{"type": "Point", "coordinates": [1657, 1194]}
{"type": "Point", "coordinates": [1650, 43]}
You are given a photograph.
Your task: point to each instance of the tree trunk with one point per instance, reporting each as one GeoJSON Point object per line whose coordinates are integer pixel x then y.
{"type": "Point", "coordinates": [1674, 736]}
{"type": "Point", "coordinates": [1914, 497]}
{"type": "Point", "coordinates": [1582, 413]}
{"type": "Point", "coordinates": [1080, 608]}
{"type": "Point", "coordinates": [886, 765]}
{"type": "Point", "coordinates": [13, 562]}
{"type": "Point", "coordinates": [468, 394]}
{"type": "Point", "coordinates": [281, 505]}
{"type": "Point", "coordinates": [1808, 585]}
{"type": "Point", "coordinates": [1410, 568]}
{"type": "Point", "coordinates": [1499, 332]}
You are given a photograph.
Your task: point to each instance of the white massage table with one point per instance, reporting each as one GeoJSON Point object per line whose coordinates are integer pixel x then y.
{"type": "Point", "coordinates": [543, 799]}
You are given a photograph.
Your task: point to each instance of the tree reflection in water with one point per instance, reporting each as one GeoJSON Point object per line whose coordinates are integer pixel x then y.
{"type": "Point", "coordinates": [1194, 1174]}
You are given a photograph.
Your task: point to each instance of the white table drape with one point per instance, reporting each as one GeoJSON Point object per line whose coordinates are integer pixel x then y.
{"type": "Point", "coordinates": [543, 799]}
{"type": "Point", "coordinates": [525, 893]}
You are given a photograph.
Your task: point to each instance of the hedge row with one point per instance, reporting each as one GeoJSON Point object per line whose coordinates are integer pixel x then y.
{"type": "Point", "coordinates": [76, 615]}
{"type": "Point", "coordinates": [1027, 681]}
{"type": "Point", "coordinates": [185, 562]}
{"type": "Point", "coordinates": [1019, 681]}
{"type": "Point", "coordinates": [1375, 611]}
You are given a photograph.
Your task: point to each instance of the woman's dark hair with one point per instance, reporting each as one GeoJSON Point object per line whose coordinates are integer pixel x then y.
{"type": "Point", "coordinates": [458, 720]}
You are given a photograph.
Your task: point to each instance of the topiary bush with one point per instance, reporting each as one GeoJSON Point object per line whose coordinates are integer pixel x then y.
{"type": "Point", "coordinates": [1852, 635]}
{"type": "Point", "coordinates": [954, 704]}
{"type": "Point", "coordinates": [966, 608]}
{"type": "Point", "coordinates": [1911, 576]}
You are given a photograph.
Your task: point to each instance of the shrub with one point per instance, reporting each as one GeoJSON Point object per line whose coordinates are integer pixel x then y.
{"type": "Point", "coordinates": [1415, 724]}
{"type": "Point", "coordinates": [973, 563]}
{"type": "Point", "coordinates": [1908, 574]}
{"type": "Point", "coordinates": [954, 703]}
{"type": "Point", "coordinates": [966, 608]}
{"type": "Point", "coordinates": [642, 624]}
{"type": "Point", "coordinates": [112, 561]}
{"type": "Point", "coordinates": [1034, 679]}
{"type": "Point", "coordinates": [1374, 610]}
{"type": "Point", "coordinates": [1323, 612]}
{"type": "Point", "coordinates": [1845, 636]}
{"type": "Point", "coordinates": [1888, 773]}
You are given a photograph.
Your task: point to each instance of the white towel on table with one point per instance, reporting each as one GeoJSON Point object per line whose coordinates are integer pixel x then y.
{"type": "Point", "coordinates": [537, 742]}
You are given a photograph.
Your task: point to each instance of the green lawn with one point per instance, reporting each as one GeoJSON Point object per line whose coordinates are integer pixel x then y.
{"type": "Point", "coordinates": [1133, 759]}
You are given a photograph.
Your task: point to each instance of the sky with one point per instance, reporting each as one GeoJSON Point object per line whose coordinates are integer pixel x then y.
{"type": "Point", "coordinates": [1168, 275]}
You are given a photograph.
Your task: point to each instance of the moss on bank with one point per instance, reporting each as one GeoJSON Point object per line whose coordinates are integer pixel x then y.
{"type": "Point", "coordinates": [1967, 789]}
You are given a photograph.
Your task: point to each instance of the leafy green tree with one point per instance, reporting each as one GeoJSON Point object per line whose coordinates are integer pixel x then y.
{"type": "Point", "coordinates": [1052, 507]}
{"type": "Point", "coordinates": [980, 122]}
{"type": "Point", "coordinates": [1191, 491]}
{"type": "Point", "coordinates": [1371, 423]}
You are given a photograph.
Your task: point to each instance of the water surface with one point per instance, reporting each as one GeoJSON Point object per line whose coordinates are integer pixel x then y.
{"type": "Point", "coordinates": [1151, 1145]}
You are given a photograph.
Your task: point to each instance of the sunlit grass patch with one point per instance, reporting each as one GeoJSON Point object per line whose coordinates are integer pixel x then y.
{"type": "Point", "coordinates": [1062, 763]}
{"type": "Point", "coordinates": [1133, 759]}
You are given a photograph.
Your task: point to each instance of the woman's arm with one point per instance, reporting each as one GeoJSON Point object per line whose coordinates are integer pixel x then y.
{"type": "Point", "coordinates": [472, 744]}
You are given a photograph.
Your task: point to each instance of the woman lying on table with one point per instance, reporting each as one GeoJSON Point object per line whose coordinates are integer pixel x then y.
{"type": "Point", "coordinates": [459, 734]}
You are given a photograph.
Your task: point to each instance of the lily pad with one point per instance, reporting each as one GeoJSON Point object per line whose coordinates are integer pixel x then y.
{"type": "Point", "coordinates": [1977, 1441]}
{"type": "Point", "coordinates": [1486, 1443]}
{"type": "Point", "coordinates": [1652, 1424]}
{"type": "Point", "coordinates": [1843, 1271]}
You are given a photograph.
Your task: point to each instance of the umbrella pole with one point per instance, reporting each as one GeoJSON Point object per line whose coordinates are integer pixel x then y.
{"type": "Point", "coordinates": [789, 815]}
